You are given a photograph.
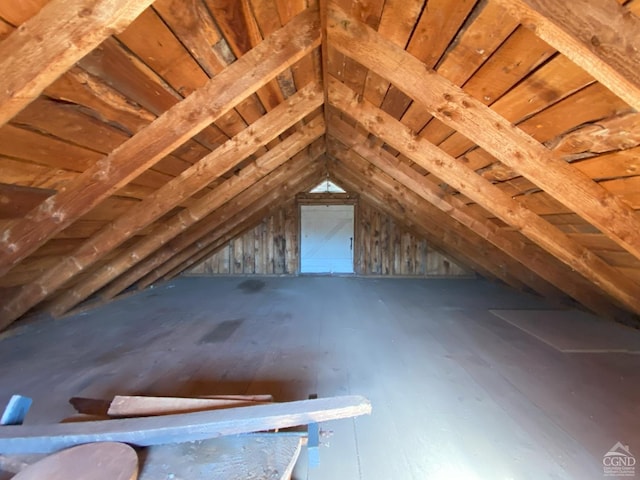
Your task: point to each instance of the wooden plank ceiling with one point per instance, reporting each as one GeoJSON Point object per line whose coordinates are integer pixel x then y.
{"type": "Point", "coordinates": [138, 136]}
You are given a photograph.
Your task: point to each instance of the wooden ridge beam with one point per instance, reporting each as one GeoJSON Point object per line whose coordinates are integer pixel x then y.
{"type": "Point", "coordinates": [508, 241]}
{"type": "Point", "coordinates": [601, 36]}
{"type": "Point", "coordinates": [178, 263]}
{"type": "Point", "coordinates": [174, 127]}
{"type": "Point", "coordinates": [49, 43]}
{"type": "Point", "coordinates": [165, 199]}
{"type": "Point", "coordinates": [201, 207]}
{"type": "Point", "coordinates": [452, 106]}
{"type": "Point", "coordinates": [393, 198]}
{"type": "Point", "coordinates": [228, 216]}
{"type": "Point", "coordinates": [487, 195]}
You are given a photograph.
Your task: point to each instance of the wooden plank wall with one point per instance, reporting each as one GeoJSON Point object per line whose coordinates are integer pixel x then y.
{"type": "Point", "coordinates": [271, 248]}
{"type": "Point", "coordinates": [383, 248]}
{"type": "Point", "coordinates": [386, 248]}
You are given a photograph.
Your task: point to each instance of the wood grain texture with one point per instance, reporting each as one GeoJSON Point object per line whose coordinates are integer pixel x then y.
{"type": "Point", "coordinates": [215, 239]}
{"type": "Point", "coordinates": [269, 191]}
{"type": "Point", "coordinates": [49, 43]}
{"type": "Point", "coordinates": [418, 257]}
{"type": "Point", "coordinates": [394, 199]}
{"type": "Point", "coordinates": [190, 116]}
{"type": "Point", "coordinates": [139, 406]}
{"type": "Point", "coordinates": [266, 456]}
{"type": "Point", "coordinates": [166, 231]}
{"type": "Point", "coordinates": [182, 427]}
{"type": "Point", "coordinates": [16, 201]}
{"type": "Point", "coordinates": [487, 195]}
{"type": "Point", "coordinates": [508, 241]}
{"type": "Point", "coordinates": [488, 129]}
{"type": "Point", "coordinates": [249, 255]}
{"type": "Point", "coordinates": [95, 461]}
{"type": "Point", "coordinates": [600, 36]}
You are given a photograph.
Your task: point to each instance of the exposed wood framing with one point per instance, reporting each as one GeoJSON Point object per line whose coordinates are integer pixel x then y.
{"type": "Point", "coordinates": [188, 256]}
{"type": "Point", "coordinates": [170, 130]}
{"type": "Point", "coordinates": [166, 198]}
{"type": "Point", "coordinates": [49, 43]}
{"type": "Point", "coordinates": [510, 242]}
{"type": "Point", "coordinates": [463, 245]}
{"type": "Point", "coordinates": [268, 192]}
{"type": "Point", "coordinates": [136, 139]}
{"type": "Point", "coordinates": [492, 198]}
{"type": "Point", "coordinates": [165, 232]}
{"type": "Point", "coordinates": [599, 35]}
{"type": "Point", "coordinates": [452, 106]}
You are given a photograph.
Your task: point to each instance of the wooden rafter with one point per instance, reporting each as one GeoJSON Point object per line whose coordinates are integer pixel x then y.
{"type": "Point", "coordinates": [599, 35]}
{"type": "Point", "coordinates": [166, 198]}
{"type": "Point", "coordinates": [166, 272]}
{"type": "Point", "coordinates": [49, 43]}
{"type": "Point", "coordinates": [396, 200]}
{"type": "Point", "coordinates": [483, 192]}
{"type": "Point", "coordinates": [510, 145]}
{"type": "Point", "coordinates": [280, 185]}
{"type": "Point", "coordinates": [163, 233]}
{"type": "Point", "coordinates": [510, 242]}
{"type": "Point", "coordinates": [170, 130]}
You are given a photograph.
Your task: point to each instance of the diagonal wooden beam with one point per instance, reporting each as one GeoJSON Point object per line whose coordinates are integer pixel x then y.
{"type": "Point", "coordinates": [220, 242]}
{"type": "Point", "coordinates": [601, 36]}
{"type": "Point", "coordinates": [166, 231]}
{"type": "Point", "coordinates": [266, 191]}
{"type": "Point", "coordinates": [167, 132]}
{"type": "Point", "coordinates": [166, 273]}
{"type": "Point", "coordinates": [479, 123]}
{"type": "Point", "coordinates": [181, 260]}
{"type": "Point", "coordinates": [508, 241]}
{"type": "Point", "coordinates": [393, 198]}
{"type": "Point", "coordinates": [49, 43]}
{"type": "Point", "coordinates": [165, 199]}
{"type": "Point", "coordinates": [487, 195]}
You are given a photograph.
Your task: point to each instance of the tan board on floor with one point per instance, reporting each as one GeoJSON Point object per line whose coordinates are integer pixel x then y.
{"type": "Point", "coordinates": [267, 456]}
{"type": "Point", "coordinates": [92, 461]}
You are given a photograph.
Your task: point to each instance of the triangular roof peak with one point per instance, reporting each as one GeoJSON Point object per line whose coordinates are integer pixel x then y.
{"type": "Point", "coordinates": [327, 186]}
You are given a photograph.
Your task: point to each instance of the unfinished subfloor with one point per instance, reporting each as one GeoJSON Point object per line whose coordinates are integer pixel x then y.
{"type": "Point", "coordinates": [457, 392]}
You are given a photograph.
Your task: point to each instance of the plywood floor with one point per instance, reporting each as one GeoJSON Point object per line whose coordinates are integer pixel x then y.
{"type": "Point", "coordinates": [457, 392]}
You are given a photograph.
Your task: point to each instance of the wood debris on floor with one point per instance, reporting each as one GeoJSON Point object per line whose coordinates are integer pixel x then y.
{"type": "Point", "coordinates": [177, 438]}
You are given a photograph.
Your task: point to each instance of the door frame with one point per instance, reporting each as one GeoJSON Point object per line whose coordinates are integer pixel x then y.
{"type": "Point", "coordinates": [330, 199]}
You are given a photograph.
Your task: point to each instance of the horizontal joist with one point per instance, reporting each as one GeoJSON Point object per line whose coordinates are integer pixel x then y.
{"type": "Point", "coordinates": [487, 195]}
{"type": "Point", "coordinates": [485, 127]}
{"type": "Point", "coordinates": [163, 200]}
{"type": "Point", "coordinates": [170, 130]}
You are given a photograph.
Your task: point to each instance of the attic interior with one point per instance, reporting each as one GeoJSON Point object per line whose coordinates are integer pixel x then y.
{"type": "Point", "coordinates": [460, 177]}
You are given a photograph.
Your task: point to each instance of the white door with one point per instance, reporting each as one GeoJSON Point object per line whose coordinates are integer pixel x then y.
{"type": "Point", "coordinates": [327, 239]}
